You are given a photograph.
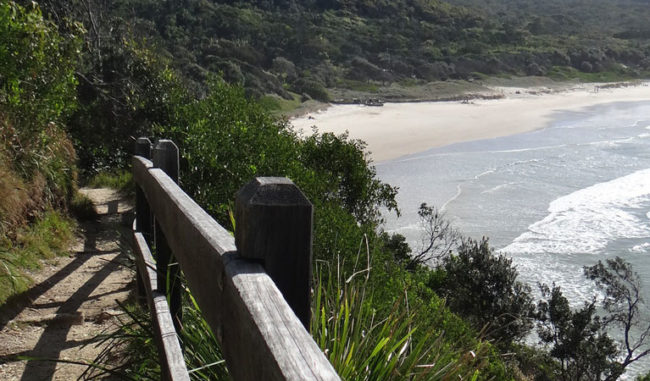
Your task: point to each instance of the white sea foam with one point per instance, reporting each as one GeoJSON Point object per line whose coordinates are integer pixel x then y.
{"type": "Point", "coordinates": [530, 149]}
{"type": "Point", "coordinates": [614, 142]}
{"type": "Point", "coordinates": [485, 173]}
{"type": "Point", "coordinates": [498, 188]}
{"type": "Point", "coordinates": [551, 270]}
{"type": "Point", "coordinates": [643, 248]}
{"type": "Point", "coordinates": [459, 191]}
{"type": "Point", "coordinates": [586, 220]}
{"type": "Point", "coordinates": [414, 227]}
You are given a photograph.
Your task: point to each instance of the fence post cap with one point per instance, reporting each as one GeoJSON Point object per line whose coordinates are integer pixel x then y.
{"type": "Point", "coordinates": [143, 147]}
{"type": "Point", "coordinates": [271, 191]}
{"type": "Point", "coordinates": [267, 209]}
{"type": "Point", "coordinates": [165, 145]}
{"type": "Point", "coordinates": [166, 157]}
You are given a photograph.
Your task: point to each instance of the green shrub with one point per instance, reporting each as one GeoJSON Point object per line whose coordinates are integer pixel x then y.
{"type": "Point", "coordinates": [38, 63]}
{"type": "Point", "coordinates": [225, 140]}
{"type": "Point", "coordinates": [37, 94]}
{"type": "Point", "coordinates": [483, 287]}
{"type": "Point", "coordinates": [312, 88]}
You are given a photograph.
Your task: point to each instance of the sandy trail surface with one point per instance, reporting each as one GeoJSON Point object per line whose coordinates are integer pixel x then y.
{"type": "Point", "coordinates": [72, 301]}
{"type": "Point", "coordinates": [398, 129]}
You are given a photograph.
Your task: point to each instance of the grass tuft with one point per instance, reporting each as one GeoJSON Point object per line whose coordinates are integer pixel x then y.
{"type": "Point", "coordinates": [121, 180]}
{"type": "Point", "coordinates": [47, 238]}
{"type": "Point", "coordinates": [202, 351]}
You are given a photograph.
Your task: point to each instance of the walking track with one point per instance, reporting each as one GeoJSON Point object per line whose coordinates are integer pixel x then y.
{"type": "Point", "coordinates": [73, 300]}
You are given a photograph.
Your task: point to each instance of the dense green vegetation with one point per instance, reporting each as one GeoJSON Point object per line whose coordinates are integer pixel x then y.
{"type": "Point", "coordinates": [595, 18]}
{"type": "Point", "coordinates": [37, 160]}
{"type": "Point", "coordinates": [191, 70]}
{"type": "Point", "coordinates": [306, 47]}
{"type": "Point", "coordinates": [303, 48]}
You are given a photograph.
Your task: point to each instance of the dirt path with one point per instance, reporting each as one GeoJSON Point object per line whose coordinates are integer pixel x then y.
{"type": "Point", "coordinates": [72, 300]}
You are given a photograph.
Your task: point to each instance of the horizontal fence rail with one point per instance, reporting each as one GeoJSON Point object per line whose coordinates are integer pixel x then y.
{"type": "Point", "coordinates": [172, 361]}
{"type": "Point", "coordinates": [256, 300]}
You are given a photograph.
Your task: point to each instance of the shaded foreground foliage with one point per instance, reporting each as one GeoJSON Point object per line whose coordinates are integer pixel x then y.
{"type": "Point", "coordinates": [364, 345]}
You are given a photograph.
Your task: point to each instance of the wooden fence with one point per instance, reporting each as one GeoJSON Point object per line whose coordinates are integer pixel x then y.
{"type": "Point", "coordinates": [253, 289]}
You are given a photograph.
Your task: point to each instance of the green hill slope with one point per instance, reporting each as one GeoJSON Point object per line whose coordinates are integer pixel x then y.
{"type": "Point", "coordinates": [305, 47]}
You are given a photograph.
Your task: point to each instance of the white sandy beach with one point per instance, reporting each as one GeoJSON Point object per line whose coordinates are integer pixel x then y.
{"type": "Point", "coordinates": [398, 129]}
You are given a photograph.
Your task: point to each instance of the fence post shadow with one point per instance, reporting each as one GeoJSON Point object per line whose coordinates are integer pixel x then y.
{"type": "Point", "coordinates": [53, 340]}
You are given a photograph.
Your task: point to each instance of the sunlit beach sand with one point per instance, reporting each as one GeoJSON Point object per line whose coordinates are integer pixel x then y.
{"type": "Point", "coordinates": [398, 129]}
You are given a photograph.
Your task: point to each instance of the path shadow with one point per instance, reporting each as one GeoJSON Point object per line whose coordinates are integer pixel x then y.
{"type": "Point", "coordinates": [13, 357]}
{"type": "Point", "coordinates": [15, 304]}
{"type": "Point", "coordinates": [54, 340]}
{"type": "Point", "coordinates": [112, 206]}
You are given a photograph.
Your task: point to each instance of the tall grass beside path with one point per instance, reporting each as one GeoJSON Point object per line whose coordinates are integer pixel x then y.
{"type": "Point", "coordinates": [48, 238]}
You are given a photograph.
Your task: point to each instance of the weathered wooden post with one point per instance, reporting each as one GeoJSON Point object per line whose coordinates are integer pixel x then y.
{"type": "Point", "coordinates": [142, 210]}
{"type": "Point", "coordinates": [274, 224]}
{"type": "Point", "coordinates": [165, 157]}
{"type": "Point", "coordinates": [142, 214]}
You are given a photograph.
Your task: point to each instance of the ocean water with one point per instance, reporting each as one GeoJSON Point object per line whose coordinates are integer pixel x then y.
{"type": "Point", "coordinates": [554, 200]}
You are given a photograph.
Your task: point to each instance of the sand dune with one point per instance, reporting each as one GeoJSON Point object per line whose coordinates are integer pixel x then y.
{"type": "Point", "coordinates": [398, 129]}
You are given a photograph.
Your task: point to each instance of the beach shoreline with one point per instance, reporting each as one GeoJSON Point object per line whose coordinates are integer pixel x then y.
{"type": "Point", "coordinates": [398, 129]}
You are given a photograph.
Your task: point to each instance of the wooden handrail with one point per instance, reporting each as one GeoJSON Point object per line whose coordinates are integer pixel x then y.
{"type": "Point", "coordinates": [260, 335]}
{"type": "Point", "coordinates": [170, 353]}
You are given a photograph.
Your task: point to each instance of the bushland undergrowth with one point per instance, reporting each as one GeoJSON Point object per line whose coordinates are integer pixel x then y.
{"type": "Point", "coordinates": [50, 236]}
{"type": "Point", "coordinates": [37, 159]}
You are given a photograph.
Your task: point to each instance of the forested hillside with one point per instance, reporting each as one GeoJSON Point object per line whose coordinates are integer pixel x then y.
{"type": "Point", "coordinates": [593, 18]}
{"type": "Point", "coordinates": [306, 47]}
